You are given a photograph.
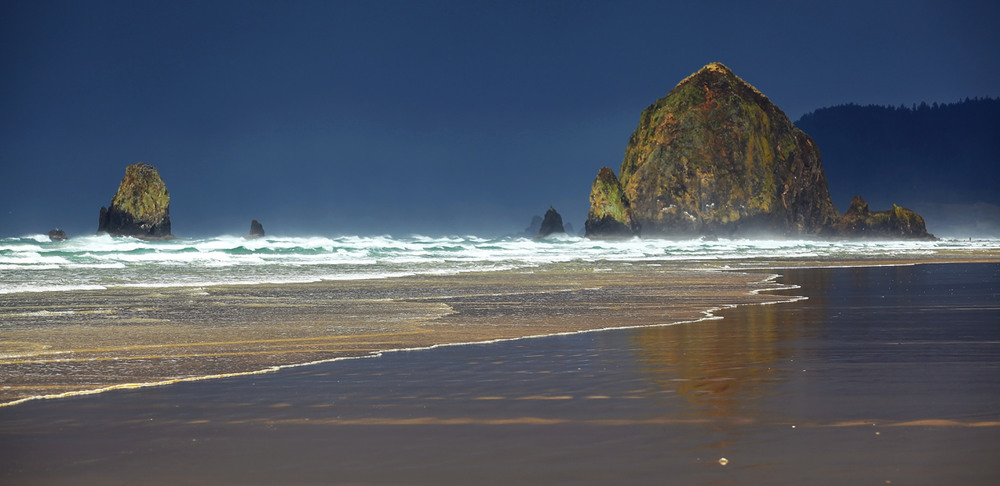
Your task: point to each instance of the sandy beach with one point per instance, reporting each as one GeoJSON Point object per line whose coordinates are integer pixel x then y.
{"type": "Point", "coordinates": [883, 375]}
{"type": "Point", "coordinates": [64, 343]}
{"type": "Point", "coordinates": [73, 342]}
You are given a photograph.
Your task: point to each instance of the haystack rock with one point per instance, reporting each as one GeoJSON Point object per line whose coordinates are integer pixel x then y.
{"type": "Point", "coordinates": [860, 222]}
{"type": "Point", "coordinates": [551, 223]}
{"type": "Point", "coordinates": [714, 157]}
{"type": "Point", "coordinates": [140, 208]}
{"type": "Point", "coordinates": [256, 230]}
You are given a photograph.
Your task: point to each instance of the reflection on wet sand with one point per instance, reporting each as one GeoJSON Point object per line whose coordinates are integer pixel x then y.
{"type": "Point", "coordinates": [897, 355]}
{"type": "Point", "coordinates": [71, 342]}
{"type": "Point", "coordinates": [718, 367]}
{"type": "Point", "coordinates": [721, 371]}
{"type": "Point", "coordinates": [820, 391]}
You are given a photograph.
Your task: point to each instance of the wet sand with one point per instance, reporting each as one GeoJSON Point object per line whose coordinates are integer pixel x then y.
{"type": "Point", "coordinates": [75, 342]}
{"type": "Point", "coordinates": [883, 376]}
{"type": "Point", "coordinates": [54, 344]}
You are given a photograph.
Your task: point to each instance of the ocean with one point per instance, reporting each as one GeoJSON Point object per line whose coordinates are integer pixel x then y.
{"type": "Point", "coordinates": [37, 264]}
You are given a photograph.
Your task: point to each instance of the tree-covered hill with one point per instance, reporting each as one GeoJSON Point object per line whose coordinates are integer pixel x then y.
{"type": "Point", "coordinates": [942, 160]}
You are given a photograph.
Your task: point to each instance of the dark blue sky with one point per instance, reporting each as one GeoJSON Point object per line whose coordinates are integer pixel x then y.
{"type": "Point", "coordinates": [415, 116]}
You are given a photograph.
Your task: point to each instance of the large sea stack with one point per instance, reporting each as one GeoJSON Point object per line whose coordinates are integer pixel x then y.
{"type": "Point", "coordinates": [714, 157]}
{"type": "Point", "coordinates": [140, 208]}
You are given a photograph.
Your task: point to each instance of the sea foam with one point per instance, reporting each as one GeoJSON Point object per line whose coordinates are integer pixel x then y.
{"type": "Point", "coordinates": [35, 263]}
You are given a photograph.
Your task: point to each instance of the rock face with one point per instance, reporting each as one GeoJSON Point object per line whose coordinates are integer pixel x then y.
{"type": "Point", "coordinates": [256, 230]}
{"type": "Point", "coordinates": [140, 208]}
{"type": "Point", "coordinates": [610, 214]}
{"type": "Point", "coordinates": [57, 234]}
{"type": "Point", "coordinates": [551, 223]}
{"type": "Point", "coordinates": [714, 157]}
{"type": "Point", "coordinates": [861, 222]}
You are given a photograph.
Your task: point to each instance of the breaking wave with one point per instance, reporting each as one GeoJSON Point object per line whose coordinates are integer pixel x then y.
{"type": "Point", "coordinates": [35, 263]}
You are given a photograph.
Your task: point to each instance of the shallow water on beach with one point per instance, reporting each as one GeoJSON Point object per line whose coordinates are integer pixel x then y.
{"type": "Point", "coordinates": [884, 375]}
{"type": "Point", "coordinates": [58, 343]}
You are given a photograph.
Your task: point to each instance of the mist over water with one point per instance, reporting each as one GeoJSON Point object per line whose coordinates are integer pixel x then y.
{"type": "Point", "coordinates": [35, 263]}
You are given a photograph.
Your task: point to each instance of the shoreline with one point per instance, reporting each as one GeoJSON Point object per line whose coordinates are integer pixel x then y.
{"type": "Point", "coordinates": [876, 369]}
{"type": "Point", "coordinates": [383, 316]}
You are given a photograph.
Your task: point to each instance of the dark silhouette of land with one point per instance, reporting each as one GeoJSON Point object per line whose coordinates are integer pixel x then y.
{"type": "Point", "coordinates": [939, 159]}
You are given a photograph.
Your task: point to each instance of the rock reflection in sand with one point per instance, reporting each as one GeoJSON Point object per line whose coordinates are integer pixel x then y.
{"type": "Point", "coordinates": [719, 367]}
{"type": "Point", "coordinates": [54, 343]}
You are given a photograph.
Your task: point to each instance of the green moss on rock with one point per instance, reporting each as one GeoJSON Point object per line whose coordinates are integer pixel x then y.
{"type": "Point", "coordinates": [140, 207]}
{"type": "Point", "coordinates": [607, 198]}
{"type": "Point", "coordinates": [860, 222]}
{"type": "Point", "coordinates": [610, 213]}
{"type": "Point", "coordinates": [715, 156]}
{"type": "Point", "coordinates": [142, 193]}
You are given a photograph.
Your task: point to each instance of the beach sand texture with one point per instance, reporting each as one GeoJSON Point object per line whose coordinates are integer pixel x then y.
{"type": "Point", "coordinates": [884, 375]}
{"type": "Point", "coordinates": [77, 342]}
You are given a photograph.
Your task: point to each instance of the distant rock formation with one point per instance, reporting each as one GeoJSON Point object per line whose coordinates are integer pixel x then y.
{"type": "Point", "coordinates": [610, 214]}
{"type": "Point", "coordinates": [256, 230]}
{"type": "Point", "coordinates": [551, 223]}
{"type": "Point", "coordinates": [140, 208]}
{"type": "Point", "coordinates": [861, 222]}
{"type": "Point", "coordinates": [534, 227]}
{"type": "Point", "coordinates": [714, 157]}
{"type": "Point", "coordinates": [57, 234]}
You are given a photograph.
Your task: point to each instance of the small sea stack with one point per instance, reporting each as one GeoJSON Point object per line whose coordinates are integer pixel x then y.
{"type": "Point", "coordinates": [861, 222]}
{"type": "Point", "coordinates": [551, 223]}
{"type": "Point", "coordinates": [256, 230]}
{"type": "Point", "coordinates": [57, 234]}
{"type": "Point", "coordinates": [140, 208]}
{"type": "Point", "coordinates": [610, 214]}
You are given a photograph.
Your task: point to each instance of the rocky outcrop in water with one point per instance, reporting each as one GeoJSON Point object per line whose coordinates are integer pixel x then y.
{"type": "Point", "coordinates": [256, 230]}
{"type": "Point", "coordinates": [551, 223]}
{"type": "Point", "coordinates": [57, 234]}
{"type": "Point", "coordinates": [860, 222]}
{"type": "Point", "coordinates": [714, 157]}
{"type": "Point", "coordinates": [610, 214]}
{"type": "Point", "coordinates": [140, 208]}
